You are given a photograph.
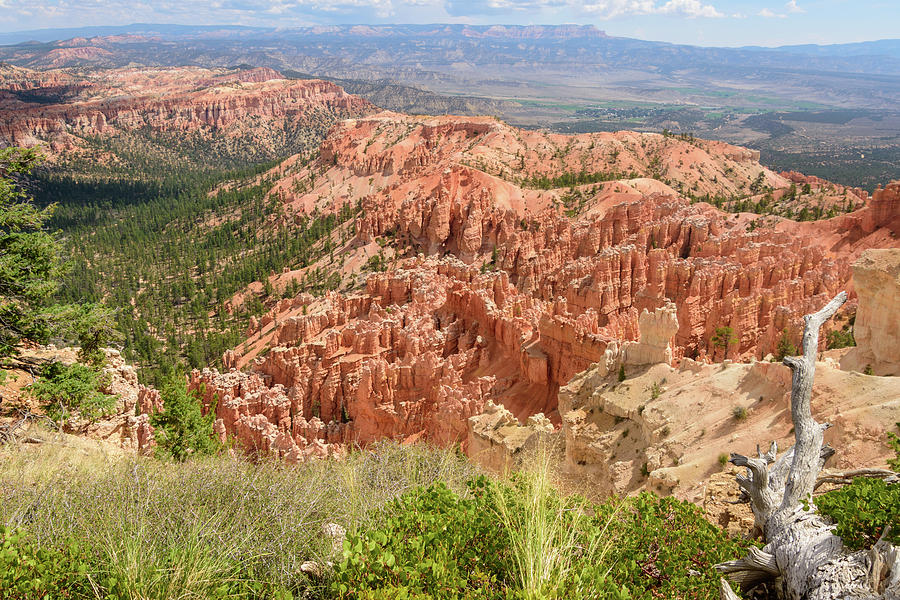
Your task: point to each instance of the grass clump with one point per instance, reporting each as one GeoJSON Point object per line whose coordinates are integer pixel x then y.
{"type": "Point", "coordinates": [740, 413]}
{"type": "Point", "coordinates": [211, 527]}
{"type": "Point", "coordinates": [519, 538]}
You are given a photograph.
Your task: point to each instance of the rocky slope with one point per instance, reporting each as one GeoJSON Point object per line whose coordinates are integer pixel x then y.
{"type": "Point", "coordinates": [876, 276]}
{"type": "Point", "coordinates": [61, 110]}
{"type": "Point", "coordinates": [126, 428]}
{"type": "Point", "coordinates": [518, 288]}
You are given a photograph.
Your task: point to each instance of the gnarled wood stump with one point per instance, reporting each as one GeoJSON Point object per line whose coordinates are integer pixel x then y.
{"type": "Point", "coordinates": [801, 552]}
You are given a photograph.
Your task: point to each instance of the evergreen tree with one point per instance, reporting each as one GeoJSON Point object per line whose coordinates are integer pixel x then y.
{"type": "Point", "coordinates": [31, 268]}
{"type": "Point", "coordinates": [785, 347]}
{"type": "Point", "coordinates": [182, 430]}
{"type": "Point", "coordinates": [30, 262]}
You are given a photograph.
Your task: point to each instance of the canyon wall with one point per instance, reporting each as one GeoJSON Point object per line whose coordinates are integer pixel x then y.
{"type": "Point", "coordinates": [510, 290]}
{"type": "Point", "coordinates": [60, 111]}
{"type": "Point", "coordinates": [876, 278]}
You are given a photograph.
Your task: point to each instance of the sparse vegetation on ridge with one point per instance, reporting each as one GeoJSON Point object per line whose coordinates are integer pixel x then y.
{"type": "Point", "coordinates": [421, 523]}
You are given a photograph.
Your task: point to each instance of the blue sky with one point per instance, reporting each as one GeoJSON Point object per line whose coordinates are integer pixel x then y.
{"type": "Point", "coordinates": [702, 22]}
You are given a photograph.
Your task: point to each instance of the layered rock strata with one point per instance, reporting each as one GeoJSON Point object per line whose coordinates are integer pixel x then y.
{"type": "Point", "coordinates": [542, 283]}
{"type": "Point", "coordinates": [59, 111]}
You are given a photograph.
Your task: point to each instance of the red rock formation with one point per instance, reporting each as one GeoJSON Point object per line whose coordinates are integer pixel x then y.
{"type": "Point", "coordinates": [170, 99]}
{"type": "Point", "coordinates": [428, 345]}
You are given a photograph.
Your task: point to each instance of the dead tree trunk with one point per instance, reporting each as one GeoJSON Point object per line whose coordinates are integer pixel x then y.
{"type": "Point", "coordinates": [801, 552]}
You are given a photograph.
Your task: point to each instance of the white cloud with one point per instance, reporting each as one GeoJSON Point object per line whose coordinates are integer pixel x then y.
{"type": "Point", "coordinates": [793, 8]}
{"type": "Point", "coordinates": [608, 9]}
{"type": "Point", "coordinates": [689, 8]}
{"type": "Point", "coordinates": [287, 13]}
{"type": "Point", "coordinates": [768, 14]}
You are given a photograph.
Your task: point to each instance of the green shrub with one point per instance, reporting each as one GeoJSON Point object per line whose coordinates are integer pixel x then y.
{"type": "Point", "coordinates": [430, 541]}
{"type": "Point", "coordinates": [621, 373]}
{"type": "Point", "coordinates": [64, 390]}
{"type": "Point", "coordinates": [785, 346]}
{"type": "Point", "coordinates": [435, 544]}
{"type": "Point", "coordinates": [29, 571]}
{"type": "Point", "coordinates": [664, 548]}
{"type": "Point", "coordinates": [841, 339]}
{"type": "Point", "coordinates": [894, 443]}
{"type": "Point", "coordinates": [740, 413]}
{"type": "Point", "coordinates": [182, 429]}
{"type": "Point", "coordinates": [862, 510]}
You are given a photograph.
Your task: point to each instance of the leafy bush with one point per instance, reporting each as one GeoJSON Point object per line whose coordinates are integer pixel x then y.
{"type": "Point", "coordinates": [435, 544]}
{"type": "Point", "coordinates": [740, 413]}
{"type": "Point", "coordinates": [664, 548]}
{"type": "Point", "coordinates": [182, 429]}
{"type": "Point", "coordinates": [841, 339]}
{"type": "Point", "coordinates": [431, 541]}
{"type": "Point", "coordinates": [64, 390]}
{"type": "Point", "coordinates": [862, 510]}
{"type": "Point", "coordinates": [29, 571]}
{"type": "Point", "coordinates": [894, 443]}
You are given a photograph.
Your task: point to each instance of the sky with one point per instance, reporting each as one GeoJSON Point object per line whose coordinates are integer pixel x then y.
{"type": "Point", "coordinates": [700, 22]}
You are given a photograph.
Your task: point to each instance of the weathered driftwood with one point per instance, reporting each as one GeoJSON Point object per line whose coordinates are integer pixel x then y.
{"type": "Point", "coordinates": [9, 433]}
{"type": "Point", "coordinates": [847, 477]}
{"type": "Point", "coordinates": [801, 553]}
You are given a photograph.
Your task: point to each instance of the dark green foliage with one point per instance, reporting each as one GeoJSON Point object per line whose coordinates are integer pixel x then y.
{"type": "Point", "coordinates": [434, 544]}
{"type": "Point", "coordinates": [658, 541]}
{"type": "Point", "coordinates": [841, 339]}
{"type": "Point", "coordinates": [64, 390]}
{"type": "Point", "coordinates": [570, 179]}
{"type": "Point", "coordinates": [785, 347]}
{"type": "Point", "coordinates": [621, 375]}
{"type": "Point", "coordinates": [30, 572]}
{"type": "Point", "coordinates": [30, 263]}
{"type": "Point", "coordinates": [724, 337]}
{"type": "Point", "coordinates": [172, 260]}
{"type": "Point", "coordinates": [894, 443]}
{"type": "Point", "coordinates": [182, 429]}
{"type": "Point", "coordinates": [429, 541]}
{"type": "Point", "coordinates": [862, 510]}
{"type": "Point", "coordinates": [92, 326]}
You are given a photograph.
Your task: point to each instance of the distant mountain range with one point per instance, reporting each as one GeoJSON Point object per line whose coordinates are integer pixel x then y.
{"type": "Point", "coordinates": [499, 62]}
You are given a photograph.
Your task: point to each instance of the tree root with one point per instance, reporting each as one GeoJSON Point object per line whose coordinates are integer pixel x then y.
{"type": "Point", "coordinates": [810, 562]}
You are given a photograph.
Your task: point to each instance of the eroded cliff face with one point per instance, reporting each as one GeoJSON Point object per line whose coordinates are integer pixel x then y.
{"type": "Point", "coordinates": [518, 289]}
{"type": "Point", "coordinates": [424, 348]}
{"type": "Point", "coordinates": [664, 427]}
{"type": "Point", "coordinates": [58, 110]}
{"type": "Point", "coordinates": [876, 277]}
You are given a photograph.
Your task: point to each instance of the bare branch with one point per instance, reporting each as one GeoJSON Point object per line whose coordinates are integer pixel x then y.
{"type": "Point", "coordinates": [808, 434]}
